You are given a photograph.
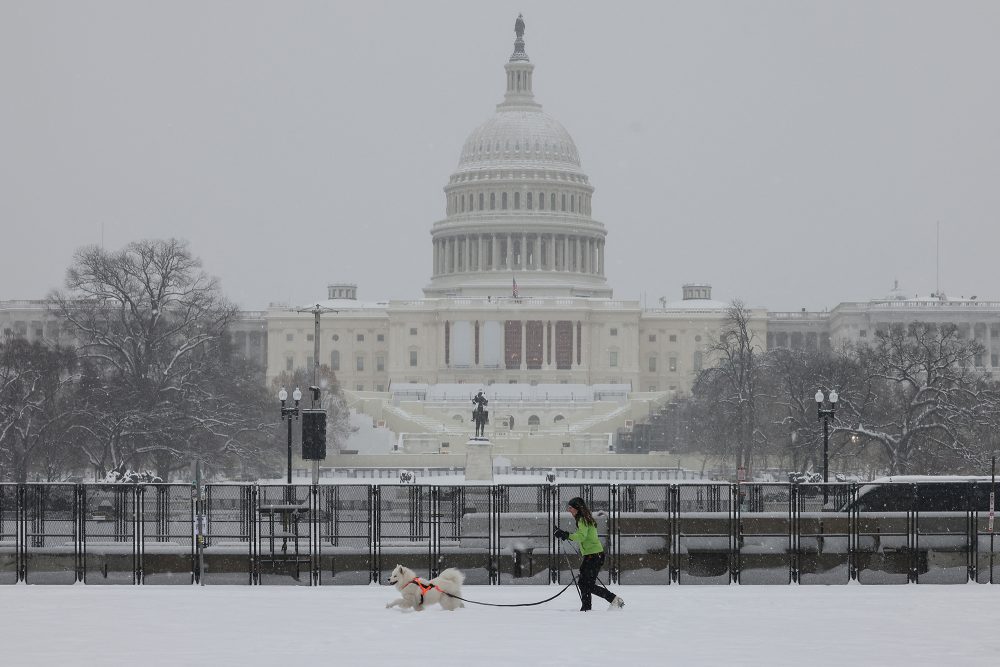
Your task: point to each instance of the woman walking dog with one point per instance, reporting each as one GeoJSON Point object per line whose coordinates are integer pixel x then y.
{"type": "Point", "coordinates": [593, 555]}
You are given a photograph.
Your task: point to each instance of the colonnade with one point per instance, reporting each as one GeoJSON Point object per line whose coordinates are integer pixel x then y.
{"type": "Point", "coordinates": [462, 253]}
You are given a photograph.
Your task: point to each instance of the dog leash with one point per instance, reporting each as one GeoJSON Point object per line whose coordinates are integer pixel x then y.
{"type": "Point", "coordinates": [528, 604]}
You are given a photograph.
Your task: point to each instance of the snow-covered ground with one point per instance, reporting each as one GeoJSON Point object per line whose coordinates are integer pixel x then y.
{"type": "Point", "coordinates": [671, 625]}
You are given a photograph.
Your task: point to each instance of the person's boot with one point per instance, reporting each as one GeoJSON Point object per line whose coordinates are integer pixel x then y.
{"type": "Point", "coordinates": [617, 603]}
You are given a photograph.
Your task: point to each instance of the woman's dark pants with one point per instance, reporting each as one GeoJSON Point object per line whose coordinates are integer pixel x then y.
{"type": "Point", "coordinates": [589, 569]}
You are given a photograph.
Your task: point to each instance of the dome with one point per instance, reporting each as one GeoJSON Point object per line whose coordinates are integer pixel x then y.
{"type": "Point", "coordinates": [519, 138]}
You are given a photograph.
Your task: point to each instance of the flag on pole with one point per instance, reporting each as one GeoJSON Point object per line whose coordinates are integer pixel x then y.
{"type": "Point", "coordinates": [515, 287]}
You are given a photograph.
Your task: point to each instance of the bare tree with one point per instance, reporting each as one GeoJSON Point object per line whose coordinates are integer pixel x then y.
{"type": "Point", "coordinates": [34, 383]}
{"type": "Point", "coordinates": [732, 383]}
{"type": "Point", "coordinates": [150, 327]}
{"type": "Point", "coordinates": [925, 403]}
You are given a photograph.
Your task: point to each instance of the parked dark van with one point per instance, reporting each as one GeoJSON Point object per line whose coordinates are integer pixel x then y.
{"type": "Point", "coordinates": [924, 493]}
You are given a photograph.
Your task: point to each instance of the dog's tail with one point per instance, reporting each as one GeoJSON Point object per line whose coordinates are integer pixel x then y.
{"type": "Point", "coordinates": [453, 576]}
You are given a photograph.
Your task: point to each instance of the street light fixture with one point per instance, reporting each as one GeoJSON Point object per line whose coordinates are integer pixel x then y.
{"type": "Point", "coordinates": [826, 414]}
{"type": "Point", "coordinates": [288, 413]}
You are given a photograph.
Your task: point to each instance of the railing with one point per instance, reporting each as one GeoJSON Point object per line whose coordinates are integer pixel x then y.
{"type": "Point", "coordinates": [654, 533]}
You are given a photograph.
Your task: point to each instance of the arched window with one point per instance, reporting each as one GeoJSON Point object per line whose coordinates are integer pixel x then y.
{"type": "Point", "coordinates": [564, 202]}
{"type": "Point", "coordinates": [463, 203]}
{"type": "Point", "coordinates": [572, 203]}
{"type": "Point", "coordinates": [533, 420]}
{"type": "Point", "coordinates": [480, 201]}
{"type": "Point", "coordinates": [458, 418]}
{"type": "Point", "coordinates": [493, 200]}
{"type": "Point", "coordinates": [529, 201]}
{"type": "Point", "coordinates": [517, 201]}
{"type": "Point", "coordinates": [552, 202]}
{"type": "Point", "coordinates": [541, 201]}
{"type": "Point", "coordinates": [503, 200]}
{"type": "Point", "coordinates": [558, 418]}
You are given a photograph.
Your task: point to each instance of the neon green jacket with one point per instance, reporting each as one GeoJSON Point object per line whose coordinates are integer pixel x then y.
{"type": "Point", "coordinates": [586, 535]}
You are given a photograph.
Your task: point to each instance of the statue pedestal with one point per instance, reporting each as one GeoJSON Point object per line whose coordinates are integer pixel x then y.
{"type": "Point", "coordinates": [479, 460]}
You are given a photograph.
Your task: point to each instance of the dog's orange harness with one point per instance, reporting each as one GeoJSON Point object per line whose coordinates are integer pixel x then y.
{"type": "Point", "coordinates": [424, 588]}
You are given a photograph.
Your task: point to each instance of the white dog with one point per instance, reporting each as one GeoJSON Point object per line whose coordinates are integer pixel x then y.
{"type": "Point", "coordinates": [417, 593]}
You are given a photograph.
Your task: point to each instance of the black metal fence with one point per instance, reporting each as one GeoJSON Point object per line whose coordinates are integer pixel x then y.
{"type": "Point", "coordinates": [705, 533]}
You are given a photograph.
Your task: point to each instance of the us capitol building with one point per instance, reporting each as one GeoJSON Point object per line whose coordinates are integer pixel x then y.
{"type": "Point", "coordinates": [518, 303]}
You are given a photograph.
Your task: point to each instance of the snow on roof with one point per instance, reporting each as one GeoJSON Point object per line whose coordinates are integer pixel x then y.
{"type": "Point", "coordinates": [695, 304]}
{"type": "Point", "coordinates": [343, 304]}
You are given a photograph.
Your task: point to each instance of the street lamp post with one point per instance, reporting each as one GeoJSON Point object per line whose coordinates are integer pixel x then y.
{"type": "Point", "coordinates": [826, 414]}
{"type": "Point", "coordinates": [288, 413]}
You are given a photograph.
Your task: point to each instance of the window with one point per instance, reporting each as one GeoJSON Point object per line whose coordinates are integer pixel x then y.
{"type": "Point", "coordinates": [480, 201]}
{"type": "Point", "coordinates": [863, 333]}
{"type": "Point", "coordinates": [360, 363]}
{"type": "Point", "coordinates": [613, 359]}
{"type": "Point", "coordinates": [361, 338]}
{"type": "Point", "coordinates": [533, 420]}
{"type": "Point", "coordinates": [413, 358]}
{"type": "Point", "coordinates": [493, 200]}
{"type": "Point", "coordinates": [309, 337]}
{"type": "Point", "coordinates": [529, 200]}
{"type": "Point", "coordinates": [564, 202]}
{"type": "Point", "coordinates": [380, 364]}
{"type": "Point", "coordinates": [462, 200]}
{"type": "Point", "coordinates": [380, 388]}
{"type": "Point", "coordinates": [696, 361]}
{"type": "Point", "coordinates": [652, 387]}
{"type": "Point", "coordinates": [380, 338]}
{"type": "Point", "coordinates": [335, 338]}
{"type": "Point", "coordinates": [359, 387]}
{"type": "Point", "coordinates": [289, 363]}
{"type": "Point", "coordinates": [541, 201]}
{"type": "Point", "coordinates": [652, 364]}
{"type": "Point", "coordinates": [289, 337]}
{"type": "Point", "coordinates": [503, 200]}
{"type": "Point", "coordinates": [335, 360]}
{"type": "Point", "coordinates": [413, 331]}
{"type": "Point", "coordinates": [652, 338]}
{"type": "Point", "coordinates": [309, 362]}
{"type": "Point", "coordinates": [517, 200]}
{"type": "Point", "coordinates": [552, 201]}
{"type": "Point", "coordinates": [673, 338]}
{"type": "Point", "coordinates": [994, 358]}
{"type": "Point", "coordinates": [697, 339]}
{"type": "Point", "coordinates": [673, 364]}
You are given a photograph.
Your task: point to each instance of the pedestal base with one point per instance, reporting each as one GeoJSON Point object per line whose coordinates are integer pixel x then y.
{"type": "Point", "coordinates": [479, 460]}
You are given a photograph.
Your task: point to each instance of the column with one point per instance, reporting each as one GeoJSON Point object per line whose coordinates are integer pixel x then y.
{"type": "Point", "coordinates": [524, 252]}
{"type": "Point", "coordinates": [479, 253]}
{"type": "Point", "coordinates": [565, 261]}
{"type": "Point", "coordinates": [435, 257]}
{"type": "Point", "coordinates": [468, 252]}
{"type": "Point", "coordinates": [579, 255]}
{"type": "Point", "coordinates": [600, 258]}
{"type": "Point", "coordinates": [495, 251]}
{"type": "Point", "coordinates": [510, 251]}
{"type": "Point", "coordinates": [538, 252]}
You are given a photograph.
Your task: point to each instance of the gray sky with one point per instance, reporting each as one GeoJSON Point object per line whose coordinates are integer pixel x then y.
{"type": "Point", "coordinates": [794, 154]}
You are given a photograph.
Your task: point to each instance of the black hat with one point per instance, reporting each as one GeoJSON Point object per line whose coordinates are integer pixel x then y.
{"type": "Point", "coordinates": [577, 503]}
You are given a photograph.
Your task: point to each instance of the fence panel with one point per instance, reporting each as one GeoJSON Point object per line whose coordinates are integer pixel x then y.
{"type": "Point", "coordinates": [51, 546]}
{"type": "Point", "coordinates": [403, 529]}
{"type": "Point", "coordinates": [229, 547]}
{"type": "Point", "coordinates": [706, 533]}
{"type": "Point", "coordinates": [884, 550]}
{"type": "Point", "coordinates": [345, 545]}
{"type": "Point", "coordinates": [108, 536]}
{"type": "Point", "coordinates": [466, 535]}
{"type": "Point", "coordinates": [765, 534]}
{"type": "Point", "coordinates": [986, 526]}
{"type": "Point", "coordinates": [167, 533]}
{"type": "Point", "coordinates": [642, 535]}
{"type": "Point", "coordinates": [284, 538]}
{"type": "Point", "coordinates": [523, 519]}
{"type": "Point", "coordinates": [824, 533]}
{"type": "Point", "coordinates": [10, 534]}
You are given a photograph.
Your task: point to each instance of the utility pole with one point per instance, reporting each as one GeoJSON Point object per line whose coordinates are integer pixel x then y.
{"type": "Point", "coordinates": [316, 310]}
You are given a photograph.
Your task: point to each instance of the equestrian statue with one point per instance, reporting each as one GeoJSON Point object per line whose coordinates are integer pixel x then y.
{"type": "Point", "coordinates": [480, 414]}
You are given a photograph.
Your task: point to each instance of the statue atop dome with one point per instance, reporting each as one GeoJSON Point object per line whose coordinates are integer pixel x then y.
{"type": "Point", "coordinates": [519, 53]}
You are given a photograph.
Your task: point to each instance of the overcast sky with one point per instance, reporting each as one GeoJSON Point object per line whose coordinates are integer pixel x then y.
{"type": "Point", "coordinates": [793, 154]}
